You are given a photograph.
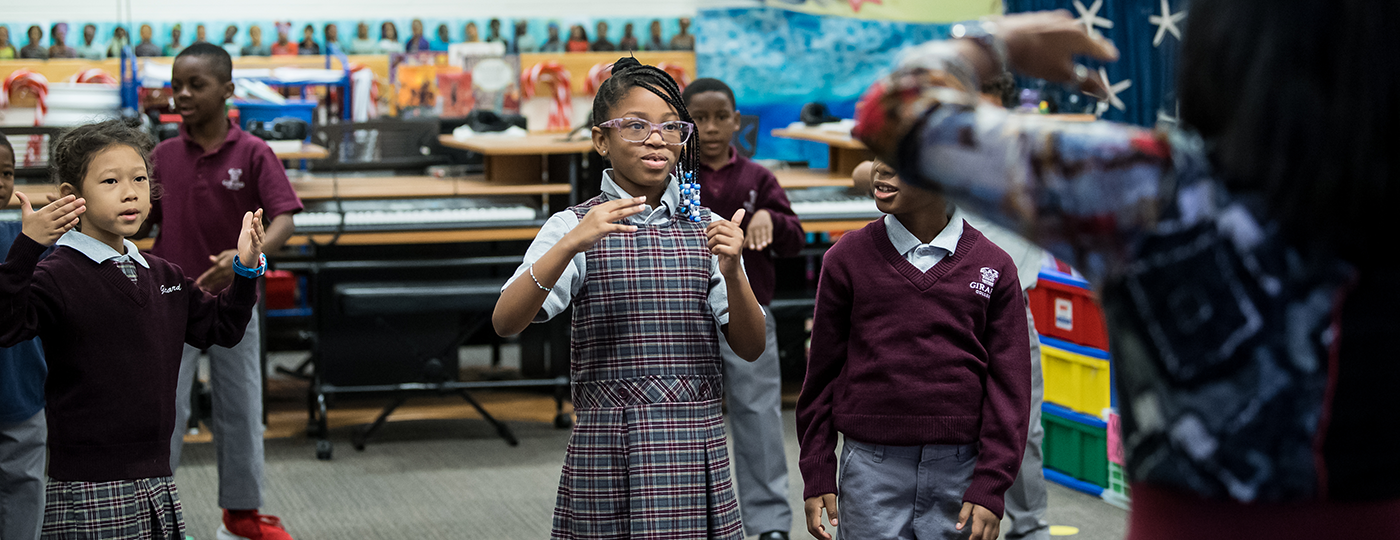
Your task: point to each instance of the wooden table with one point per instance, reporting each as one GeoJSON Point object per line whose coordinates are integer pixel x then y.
{"type": "Point", "coordinates": [408, 187]}
{"type": "Point", "coordinates": [809, 178]}
{"type": "Point", "coordinates": [519, 160]}
{"type": "Point", "coordinates": [308, 151]}
{"type": "Point", "coordinates": [383, 187]}
{"type": "Point", "coordinates": [845, 151]}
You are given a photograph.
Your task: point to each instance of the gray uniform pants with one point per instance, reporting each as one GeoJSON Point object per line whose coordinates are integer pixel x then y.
{"type": "Point", "coordinates": [753, 394]}
{"type": "Point", "coordinates": [236, 383]}
{"type": "Point", "coordinates": [1026, 499]}
{"type": "Point", "coordinates": [22, 478]}
{"type": "Point", "coordinates": [903, 492]}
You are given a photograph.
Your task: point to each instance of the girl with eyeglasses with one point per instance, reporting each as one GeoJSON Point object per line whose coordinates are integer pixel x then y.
{"type": "Point", "coordinates": [654, 279]}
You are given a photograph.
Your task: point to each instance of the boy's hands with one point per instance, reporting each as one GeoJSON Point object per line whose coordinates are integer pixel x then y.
{"type": "Point", "coordinates": [814, 508]}
{"type": "Point", "coordinates": [46, 224]}
{"type": "Point", "coordinates": [601, 221]}
{"type": "Point", "coordinates": [985, 524]}
{"type": "Point", "coordinates": [726, 240]}
{"type": "Point", "coordinates": [760, 232]}
{"type": "Point", "coordinates": [250, 241]}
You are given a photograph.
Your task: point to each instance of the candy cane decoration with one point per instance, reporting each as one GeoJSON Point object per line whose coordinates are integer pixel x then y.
{"type": "Point", "coordinates": [37, 84]}
{"type": "Point", "coordinates": [23, 79]}
{"type": "Point", "coordinates": [677, 72]}
{"type": "Point", "coordinates": [596, 75]}
{"type": "Point", "coordinates": [561, 116]}
{"type": "Point", "coordinates": [93, 76]}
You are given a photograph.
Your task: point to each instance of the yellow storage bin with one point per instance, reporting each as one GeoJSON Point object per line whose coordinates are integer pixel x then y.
{"type": "Point", "coordinates": [1076, 377]}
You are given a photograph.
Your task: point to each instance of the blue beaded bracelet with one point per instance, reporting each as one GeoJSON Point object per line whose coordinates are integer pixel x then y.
{"type": "Point", "coordinates": [250, 273]}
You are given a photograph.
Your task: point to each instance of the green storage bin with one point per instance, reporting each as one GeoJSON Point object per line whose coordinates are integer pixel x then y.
{"type": "Point", "coordinates": [1075, 444]}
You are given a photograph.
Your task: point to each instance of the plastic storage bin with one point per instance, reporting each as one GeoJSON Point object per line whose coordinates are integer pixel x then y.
{"type": "Point", "coordinates": [301, 109]}
{"type": "Point", "coordinates": [1116, 492]}
{"type": "Point", "coordinates": [1067, 310]}
{"type": "Point", "coordinates": [1076, 377]}
{"type": "Point", "coordinates": [1075, 446]}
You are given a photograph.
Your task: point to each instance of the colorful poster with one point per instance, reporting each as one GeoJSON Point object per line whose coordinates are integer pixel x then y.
{"type": "Point", "coordinates": [414, 77]}
{"type": "Point", "coordinates": [455, 94]}
{"type": "Point", "coordinates": [942, 11]}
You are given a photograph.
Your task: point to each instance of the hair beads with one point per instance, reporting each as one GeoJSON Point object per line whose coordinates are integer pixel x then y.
{"type": "Point", "coordinates": [690, 196]}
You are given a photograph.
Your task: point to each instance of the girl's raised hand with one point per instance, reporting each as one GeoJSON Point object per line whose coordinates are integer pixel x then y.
{"type": "Point", "coordinates": [46, 224]}
{"type": "Point", "coordinates": [727, 242]}
{"type": "Point", "coordinates": [601, 221]}
{"type": "Point", "coordinates": [250, 240]}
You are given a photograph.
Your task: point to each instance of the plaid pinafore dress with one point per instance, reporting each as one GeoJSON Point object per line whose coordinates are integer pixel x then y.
{"type": "Point", "coordinates": [647, 456]}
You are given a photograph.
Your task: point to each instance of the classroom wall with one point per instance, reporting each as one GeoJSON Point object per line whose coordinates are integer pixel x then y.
{"type": "Point", "coordinates": [778, 60]}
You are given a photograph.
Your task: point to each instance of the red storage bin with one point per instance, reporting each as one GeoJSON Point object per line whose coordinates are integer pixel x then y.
{"type": "Point", "coordinates": [1064, 308]}
{"type": "Point", "coordinates": [281, 288]}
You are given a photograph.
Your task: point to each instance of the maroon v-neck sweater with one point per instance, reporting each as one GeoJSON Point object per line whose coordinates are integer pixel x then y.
{"type": "Point", "coordinates": [903, 357]}
{"type": "Point", "coordinates": [113, 349]}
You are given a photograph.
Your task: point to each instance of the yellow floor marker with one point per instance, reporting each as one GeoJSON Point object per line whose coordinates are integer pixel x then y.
{"type": "Point", "coordinates": [1063, 530]}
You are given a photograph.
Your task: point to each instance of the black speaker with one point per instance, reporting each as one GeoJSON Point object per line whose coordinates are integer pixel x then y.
{"type": "Point", "coordinates": [281, 129]}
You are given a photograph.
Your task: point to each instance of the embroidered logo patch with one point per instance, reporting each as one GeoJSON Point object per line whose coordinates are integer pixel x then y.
{"type": "Point", "coordinates": [989, 276]}
{"type": "Point", "coordinates": [989, 280]}
{"type": "Point", "coordinates": [233, 182]}
{"type": "Point", "coordinates": [167, 290]}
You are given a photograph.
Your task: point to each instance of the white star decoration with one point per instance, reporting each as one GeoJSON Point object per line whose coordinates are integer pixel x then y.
{"type": "Point", "coordinates": [1113, 90]}
{"type": "Point", "coordinates": [1166, 22]}
{"type": "Point", "coordinates": [1090, 17]}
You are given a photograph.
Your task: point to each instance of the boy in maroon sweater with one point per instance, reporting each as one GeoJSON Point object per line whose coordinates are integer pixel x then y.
{"type": "Point", "coordinates": [753, 390]}
{"type": "Point", "coordinates": [918, 357]}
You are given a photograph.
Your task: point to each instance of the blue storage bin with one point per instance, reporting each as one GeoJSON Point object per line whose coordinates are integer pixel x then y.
{"type": "Point", "coordinates": [262, 111]}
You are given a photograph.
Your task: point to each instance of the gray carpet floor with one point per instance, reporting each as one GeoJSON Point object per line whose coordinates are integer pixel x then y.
{"type": "Point", "coordinates": [455, 479]}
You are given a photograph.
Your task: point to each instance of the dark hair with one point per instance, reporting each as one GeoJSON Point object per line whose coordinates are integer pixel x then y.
{"type": "Point", "coordinates": [219, 61]}
{"type": "Point", "coordinates": [5, 143]}
{"type": "Point", "coordinates": [75, 149]}
{"type": "Point", "coordinates": [628, 73]}
{"type": "Point", "coordinates": [707, 84]}
{"type": "Point", "coordinates": [388, 25]}
{"type": "Point", "coordinates": [1296, 103]}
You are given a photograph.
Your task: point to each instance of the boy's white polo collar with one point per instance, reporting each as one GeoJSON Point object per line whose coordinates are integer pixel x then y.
{"type": "Point", "coordinates": [905, 241]}
{"type": "Point", "coordinates": [99, 252]}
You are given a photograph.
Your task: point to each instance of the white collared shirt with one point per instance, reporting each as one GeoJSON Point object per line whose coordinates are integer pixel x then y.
{"type": "Point", "coordinates": [99, 252]}
{"type": "Point", "coordinates": [923, 256]}
{"type": "Point", "coordinates": [570, 282]}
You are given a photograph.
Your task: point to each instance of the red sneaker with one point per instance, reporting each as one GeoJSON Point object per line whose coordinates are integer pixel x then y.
{"type": "Point", "coordinates": [250, 525]}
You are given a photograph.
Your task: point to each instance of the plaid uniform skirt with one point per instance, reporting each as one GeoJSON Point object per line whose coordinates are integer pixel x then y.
{"type": "Point", "coordinates": [648, 472]}
{"type": "Point", "coordinates": [145, 508]}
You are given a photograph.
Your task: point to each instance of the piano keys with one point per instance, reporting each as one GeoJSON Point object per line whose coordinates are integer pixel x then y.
{"type": "Point", "coordinates": [832, 203]}
{"type": "Point", "coordinates": [383, 215]}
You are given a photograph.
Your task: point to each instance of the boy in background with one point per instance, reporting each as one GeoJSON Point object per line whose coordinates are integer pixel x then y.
{"type": "Point", "coordinates": [211, 171]}
{"type": "Point", "coordinates": [918, 357]}
{"type": "Point", "coordinates": [729, 182]}
{"type": "Point", "coordinates": [22, 427]}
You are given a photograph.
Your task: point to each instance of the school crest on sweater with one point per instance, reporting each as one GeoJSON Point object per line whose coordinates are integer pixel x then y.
{"type": "Point", "coordinates": [989, 280]}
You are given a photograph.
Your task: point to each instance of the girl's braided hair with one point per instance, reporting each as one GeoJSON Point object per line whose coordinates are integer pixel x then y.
{"type": "Point", "coordinates": [628, 73]}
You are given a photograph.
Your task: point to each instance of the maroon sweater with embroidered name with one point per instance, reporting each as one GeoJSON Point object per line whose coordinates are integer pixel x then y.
{"type": "Point", "coordinates": [113, 349]}
{"type": "Point", "coordinates": [903, 357]}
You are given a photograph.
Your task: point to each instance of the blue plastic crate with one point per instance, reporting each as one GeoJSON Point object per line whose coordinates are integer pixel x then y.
{"type": "Point", "coordinates": [262, 111]}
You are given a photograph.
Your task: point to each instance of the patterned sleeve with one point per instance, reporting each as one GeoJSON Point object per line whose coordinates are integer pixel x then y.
{"type": "Point", "coordinates": [1074, 187]}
